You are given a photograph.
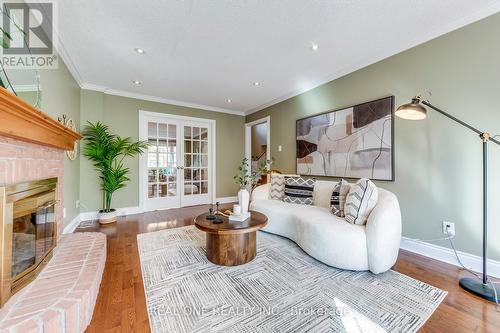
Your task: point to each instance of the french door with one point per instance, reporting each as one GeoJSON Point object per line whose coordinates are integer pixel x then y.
{"type": "Point", "coordinates": [177, 169]}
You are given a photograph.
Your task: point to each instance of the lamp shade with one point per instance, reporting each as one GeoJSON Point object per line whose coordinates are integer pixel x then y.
{"type": "Point", "coordinates": [412, 111]}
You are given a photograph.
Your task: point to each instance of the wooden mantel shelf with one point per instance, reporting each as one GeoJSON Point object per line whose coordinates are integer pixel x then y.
{"type": "Point", "coordinates": [20, 120]}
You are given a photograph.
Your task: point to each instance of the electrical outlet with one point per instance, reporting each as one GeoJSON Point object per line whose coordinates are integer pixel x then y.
{"type": "Point", "coordinates": [77, 204]}
{"type": "Point", "coordinates": [64, 212]}
{"type": "Point", "coordinates": [449, 228]}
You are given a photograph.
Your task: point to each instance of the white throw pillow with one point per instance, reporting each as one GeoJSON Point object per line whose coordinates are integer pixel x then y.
{"type": "Point", "coordinates": [360, 201]}
{"type": "Point", "coordinates": [323, 190]}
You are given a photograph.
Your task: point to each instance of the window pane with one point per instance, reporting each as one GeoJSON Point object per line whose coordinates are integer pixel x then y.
{"type": "Point", "coordinates": [152, 161]}
{"type": "Point", "coordinates": [187, 161]}
{"type": "Point", "coordinates": [172, 146]}
{"type": "Point", "coordinates": [152, 145]}
{"type": "Point", "coordinates": [204, 174]}
{"type": "Point", "coordinates": [195, 161]}
{"type": "Point", "coordinates": [187, 132]}
{"type": "Point", "coordinates": [162, 160]}
{"type": "Point", "coordinates": [162, 130]}
{"type": "Point", "coordinates": [152, 130]}
{"type": "Point", "coordinates": [187, 146]}
{"type": "Point", "coordinates": [152, 176]}
{"type": "Point", "coordinates": [172, 189]}
{"type": "Point", "coordinates": [162, 175]}
{"type": "Point", "coordinates": [188, 188]}
{"type": "Point", "coordinates": [172, 131]}
{"type": "Point", "coordinates": [196, 146]}
{"type": "Point", "coordinates": [196, 133]}
{"type": "Point", "coordinates": [187, 174]}
{"type": "Point", "coordinates": [204, 187]}
{"type": "Point", "coordinates": [172, 174]}
{"type": "Point", "coordinates": [196, 174]}
{"type": "Point", "coordinates": [204, 147]}
{"type": "Point", "coordinates": [196, 188]}
{"type": "Point", "coordinates": [204, 134]}
{"type": "Point", "coordinates": [152, 191]}
{"type": "Point", "coordinates": [163, 190]}
{"type": "Point", "coordinates": [162, 145]}
{"type": "Point", "coordinates": [204, 160]}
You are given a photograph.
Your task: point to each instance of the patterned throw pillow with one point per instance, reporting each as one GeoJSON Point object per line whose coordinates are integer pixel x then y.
{"type": "Point", "coordinates": [299, 190]}
{"type": "Point", "coordinates": [360, 201]}
{"type": "Point", "coordinates": [337, 200]}
{"type": "Point", "coordinates": [277, 190]}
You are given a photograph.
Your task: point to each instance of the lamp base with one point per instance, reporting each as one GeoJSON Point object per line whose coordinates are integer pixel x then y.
{"type": "Point", "coordinates": [476, 287]}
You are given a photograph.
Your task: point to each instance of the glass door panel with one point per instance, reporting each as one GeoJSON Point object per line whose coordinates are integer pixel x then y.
{"type": "Point", "coordinates": [162, 165]}
{"type": "Point", "coordinates": [177, 166]}
{"type": "Point", "coordinates": [196, 163]}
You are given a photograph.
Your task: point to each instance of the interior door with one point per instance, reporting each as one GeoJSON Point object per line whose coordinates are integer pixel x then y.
{"type": "Point", "coordinates": [177, 169]}
{"type": "Point", "coordinates": [197, 154]}
{"type": "Point", "coordinates": [162, 167]}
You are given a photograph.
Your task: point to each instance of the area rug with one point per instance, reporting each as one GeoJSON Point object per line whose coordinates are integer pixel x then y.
{"type": "Point", "coordinates": [281, 290]}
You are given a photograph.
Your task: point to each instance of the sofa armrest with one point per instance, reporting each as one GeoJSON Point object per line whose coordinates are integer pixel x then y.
{"type": "Point", "coordinates": [261, 192]}
{"type": "Point", "coordinates": [383, 233]}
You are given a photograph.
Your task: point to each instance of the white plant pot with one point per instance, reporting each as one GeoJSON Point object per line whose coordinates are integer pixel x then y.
{"type": "Point", "coordinates": [244, 200]}
{"type": "Point", "coordinates": [106, 218]}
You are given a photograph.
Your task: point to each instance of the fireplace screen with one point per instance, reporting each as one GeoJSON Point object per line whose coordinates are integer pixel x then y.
{"type": "Point", "coordinates": [34, 237]}
{"type": "Point", "coordinates": [28, 231]}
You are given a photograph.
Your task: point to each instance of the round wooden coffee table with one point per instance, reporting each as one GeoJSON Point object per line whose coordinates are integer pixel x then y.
{"type": "Point", "coordinates": [231, 243]}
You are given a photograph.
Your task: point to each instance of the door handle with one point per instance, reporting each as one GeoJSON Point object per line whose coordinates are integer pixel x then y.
{"type": "Point", "coordinates": [180, 167]}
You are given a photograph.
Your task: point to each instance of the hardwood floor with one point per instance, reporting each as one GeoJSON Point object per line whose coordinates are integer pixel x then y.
{"type": "Point", "coordinates": [121, 305]}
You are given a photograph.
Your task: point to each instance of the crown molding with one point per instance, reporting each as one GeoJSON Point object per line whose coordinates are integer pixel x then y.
{"type": "Point", "coordinates": [123, 93]}
{"type": "Point", "coordinates": [384, 54]}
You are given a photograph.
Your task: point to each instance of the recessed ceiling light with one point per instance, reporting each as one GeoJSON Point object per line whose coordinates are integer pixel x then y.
{"type": "Point", "coordinates": [256, 83]}
{"type": "Point", "coordinates": [229, 100]}
{"type": "Point", "coordinates": [139, 50]}
{"type": "Point", "coordinates": [314, 46]}
{"type": "Point", "coordinates": [137, 82]}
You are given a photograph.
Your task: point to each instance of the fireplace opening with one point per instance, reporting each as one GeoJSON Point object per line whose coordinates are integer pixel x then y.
{"type": "Point", "coordinates": [28, 232]}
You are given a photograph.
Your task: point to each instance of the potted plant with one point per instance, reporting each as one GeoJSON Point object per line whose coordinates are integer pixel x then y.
{"type": "Point", "coordinates": [107, 151]}
{"type": "Point", "coordinates": [247, 179]}
{"type": "Point", "coordinates": [264, 170]}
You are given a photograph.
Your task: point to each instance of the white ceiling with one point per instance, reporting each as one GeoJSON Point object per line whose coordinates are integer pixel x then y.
{"type": "Point", "coordinates": [203, 52]}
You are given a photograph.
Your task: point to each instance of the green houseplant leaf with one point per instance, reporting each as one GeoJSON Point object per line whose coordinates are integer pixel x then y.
{"type": "Point", "coordinates": [107, 152]}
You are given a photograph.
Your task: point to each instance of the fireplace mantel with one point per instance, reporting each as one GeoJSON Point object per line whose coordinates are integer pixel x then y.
{"type": "Point", "coordinates": [21, 121]}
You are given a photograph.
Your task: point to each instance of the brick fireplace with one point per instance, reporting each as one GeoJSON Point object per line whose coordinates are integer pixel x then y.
{"type": "Point", "coordinates": [32, 149]}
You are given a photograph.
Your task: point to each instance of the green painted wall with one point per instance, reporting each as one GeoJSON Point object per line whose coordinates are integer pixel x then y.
{"type": "Point", "coordinates": [122, 115]}
{"type": "Point", "coordinates": [438, 162]}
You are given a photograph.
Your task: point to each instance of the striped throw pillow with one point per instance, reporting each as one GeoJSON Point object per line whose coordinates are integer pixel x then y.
{"type": "Point", "coordinates": [299, 190]}
{"type": "Point", "coordinates": [339, 195]}
{"type": "Point", "coordinates": [360, 201]}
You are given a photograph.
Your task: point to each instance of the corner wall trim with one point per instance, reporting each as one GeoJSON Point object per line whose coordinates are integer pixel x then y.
{"type": "Point", "coordinates": [441, 253]}
{"type": "Point", "coordinates": [70, 228]}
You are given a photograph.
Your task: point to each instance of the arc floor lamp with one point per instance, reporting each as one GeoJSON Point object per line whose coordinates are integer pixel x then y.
{"type": "Point", "coordinates": [415, 111]}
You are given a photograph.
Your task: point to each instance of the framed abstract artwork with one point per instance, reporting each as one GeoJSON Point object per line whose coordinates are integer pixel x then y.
{"type": "Point", "coordinates": [353, 142]}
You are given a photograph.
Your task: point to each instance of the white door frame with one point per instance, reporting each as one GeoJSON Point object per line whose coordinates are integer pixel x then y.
{"type": "Point", "coordinates": [248, 137]}
{"type": "Point", "coordinates": [143, 158]}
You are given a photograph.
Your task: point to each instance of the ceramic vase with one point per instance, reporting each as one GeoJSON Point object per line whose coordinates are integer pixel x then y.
{"type": "Point", "coordinates": [244, 200]}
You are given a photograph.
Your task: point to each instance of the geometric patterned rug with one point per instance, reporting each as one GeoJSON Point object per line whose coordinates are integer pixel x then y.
{"type": "Point", "coordinates": [281, 290]}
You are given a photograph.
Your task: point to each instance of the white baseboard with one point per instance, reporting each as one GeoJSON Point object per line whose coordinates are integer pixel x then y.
{"type": "Point", "coordinates": [87, 216]}
{"type": "Point", "coordinates": [72, 225]}
{"type": "Point", "coordinates": [441, 253]}
{"type": "Point", "coordinates": [224, 200]}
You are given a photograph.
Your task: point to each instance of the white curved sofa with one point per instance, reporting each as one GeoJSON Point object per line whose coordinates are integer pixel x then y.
{"type": "Point", "coordinates": [331, 239]}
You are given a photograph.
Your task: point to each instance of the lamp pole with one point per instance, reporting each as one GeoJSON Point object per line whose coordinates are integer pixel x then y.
{"type": "Point", "coordinates": [482, 289]}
